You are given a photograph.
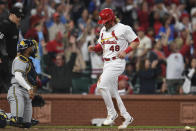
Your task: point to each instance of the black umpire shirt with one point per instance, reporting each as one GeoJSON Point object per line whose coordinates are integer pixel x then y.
{"type": "Point", "coordinates": [9, 34]}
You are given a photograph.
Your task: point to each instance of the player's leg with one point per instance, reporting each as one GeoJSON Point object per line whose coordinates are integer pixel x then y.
{"type": "Point", "coordinates": [114, 91]}
{"type": "Point", "coordinates": [27, 112]}
{"type": "Point", "coordinates": [127, 118]}
{"type": "Point", "coordinates": [16, 101]}
{"type": "Point", "coordinates": [123, 111]}
{"type": "Point", "coordinates": [121, 106]}
{"type": "Point", "coordinates": [103, 88]}
{"type": "Point", "coordinates": [108, 100]}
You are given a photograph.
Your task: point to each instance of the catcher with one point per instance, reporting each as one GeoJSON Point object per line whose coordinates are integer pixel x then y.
{"type": "Point", "coordinates": [24, 84]}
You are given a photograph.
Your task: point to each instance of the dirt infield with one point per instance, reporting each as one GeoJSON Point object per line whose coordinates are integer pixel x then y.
{"type": "Point", "coordinates": [91, 128]}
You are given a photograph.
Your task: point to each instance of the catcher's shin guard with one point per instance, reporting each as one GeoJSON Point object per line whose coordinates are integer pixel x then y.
{"type": "Point", "coordinates": [16, 121]}
{"type": "Point", "coordinates": [3, 120]}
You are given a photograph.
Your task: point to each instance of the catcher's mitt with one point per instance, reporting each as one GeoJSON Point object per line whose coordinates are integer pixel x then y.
{"type": "Point", "coordinates": [38, 101]}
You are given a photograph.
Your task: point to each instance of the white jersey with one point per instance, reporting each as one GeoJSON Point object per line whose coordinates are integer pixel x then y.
{"type": "Point", "coordinates": [175, 66]}
{"type": "Point", "coordinates": [116, 39]}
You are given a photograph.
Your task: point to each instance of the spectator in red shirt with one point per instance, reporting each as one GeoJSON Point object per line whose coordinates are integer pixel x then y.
{"type": "Point", "coordinates": [143, 16]}
{"type": "Point", "coordinates": [32, 33]}
{"type": "Point", "coordinates": [155, 22]}
{"type": "Point", "coordinates": [194, 39]}
{"type": "Point", "coordinates": [123, 86]}
{"type": "Point", "coordinates": [56, 46]}
{"type": "Point", "coordinates": [158, 50]}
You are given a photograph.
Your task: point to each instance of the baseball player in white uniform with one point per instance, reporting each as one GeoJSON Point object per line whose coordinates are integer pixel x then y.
{"type": "Point", "coordinates": [116, 40]}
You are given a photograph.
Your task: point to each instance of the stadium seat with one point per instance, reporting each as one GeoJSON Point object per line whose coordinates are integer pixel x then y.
{"type": "Point", "coordinates": [80, 85]}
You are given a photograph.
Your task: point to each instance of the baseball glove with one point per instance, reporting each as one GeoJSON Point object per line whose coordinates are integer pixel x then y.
{"type": "Point", "coordinates": [38, 101]}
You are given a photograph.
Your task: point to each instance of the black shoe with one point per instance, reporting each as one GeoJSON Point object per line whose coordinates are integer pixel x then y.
{"type": "Point", "coordinates": [26, 125]}
{"type": "Point", "coordinates": [34, 122]}
{"type": "Point", "coordinates": [16, 121]}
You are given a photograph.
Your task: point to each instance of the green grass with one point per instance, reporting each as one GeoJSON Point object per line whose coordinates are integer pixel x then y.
{"type": "Point", "coordinates": [136, 127]}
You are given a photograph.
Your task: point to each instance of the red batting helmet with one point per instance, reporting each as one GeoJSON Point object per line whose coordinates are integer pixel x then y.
{"type": "Point", "coordinates": [106, 15]}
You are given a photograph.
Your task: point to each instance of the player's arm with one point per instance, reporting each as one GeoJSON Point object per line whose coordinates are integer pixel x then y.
{"type": "Point", "coordinates": [133, 45]}
{"type": "Point", "coordinates": [96, 48]}
{"type": "Point", "coordinates": [4, 25]}
{"type": "Point", "coordinates": [132, 39]}
{"type": "Point", "coordinates": [20, 79]}
{"type": "Point", "coordinates": [2, 36]}
{"type": "Point", "coordinates": [19, 67]}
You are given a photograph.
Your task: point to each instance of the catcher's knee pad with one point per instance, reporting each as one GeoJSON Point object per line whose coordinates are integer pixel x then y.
{"type": "Point", "coordinates": [3, 120]}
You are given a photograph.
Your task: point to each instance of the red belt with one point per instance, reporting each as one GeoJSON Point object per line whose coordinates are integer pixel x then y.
{"type": "Point", "coordinates": [109, 59]}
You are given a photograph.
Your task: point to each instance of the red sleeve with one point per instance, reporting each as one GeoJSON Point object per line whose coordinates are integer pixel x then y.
{"type": "Point", "coordinates": [129, 49]}
{"type": "Point", "coordinates": [49, 47]}
{"type": "Point", "coordinates": [136, 40]}
{"type": "Point", "coordinates": [92, 88]}
{"type": "Point", "coordinates": [185, 49]}
{"type": "Point", "coordinates": [166, 51]}
{"type": "Point", "coordinates": [98, 48]}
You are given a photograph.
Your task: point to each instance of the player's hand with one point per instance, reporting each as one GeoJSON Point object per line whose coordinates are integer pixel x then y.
{"type": "Point", "coordinates": [121, 55]}
{"type": "Point", "coordinates": [91, 48]}
{"type": "Point", "coordinates": [154, 64]}
{"type": "Point", "coordinates": [31, 93]}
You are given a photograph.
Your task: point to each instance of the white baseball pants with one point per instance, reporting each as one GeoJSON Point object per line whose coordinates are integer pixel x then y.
{"type": "Point", "coordinates": [108, 86]}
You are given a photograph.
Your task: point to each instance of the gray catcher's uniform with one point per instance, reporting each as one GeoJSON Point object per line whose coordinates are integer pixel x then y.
{"type": "Point", "coordinates": [18, 97]}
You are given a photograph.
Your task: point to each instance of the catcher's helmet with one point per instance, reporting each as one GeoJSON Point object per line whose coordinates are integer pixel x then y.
{"type": "Point", "coordinates": [3, 118]}
{"type": "Point", "coordinates": [106, 15]}
{"type": "Point", "coordinates": [24, 44]}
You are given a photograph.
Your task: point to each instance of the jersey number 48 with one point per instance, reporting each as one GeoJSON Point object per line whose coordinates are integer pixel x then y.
{"type": "Point", "coordinates": [115, 48]}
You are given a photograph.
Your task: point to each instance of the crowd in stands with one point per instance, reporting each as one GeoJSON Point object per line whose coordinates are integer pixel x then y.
{"type": "Point", "coordinates": [65, 29]}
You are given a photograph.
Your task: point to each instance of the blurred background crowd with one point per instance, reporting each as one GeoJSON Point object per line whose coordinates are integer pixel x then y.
{"type": "Point", "coordinates": [65, 28]}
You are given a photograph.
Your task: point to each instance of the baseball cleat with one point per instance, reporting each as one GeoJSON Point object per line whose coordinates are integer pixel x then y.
{"type": "Point", "coordinates": [34, 122]}
{"type": "Point", "coordinates": [110, 120]}
{"type": "Point", "coordinates": [26, 125]}
{"type": "Point", "coordinates": [126, 123]}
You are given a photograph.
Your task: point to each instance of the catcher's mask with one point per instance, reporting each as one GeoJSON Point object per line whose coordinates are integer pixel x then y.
{"type": "Point", "coordinates": [106, 15]}
{"type": "Point", "coordinates": [24, 44]}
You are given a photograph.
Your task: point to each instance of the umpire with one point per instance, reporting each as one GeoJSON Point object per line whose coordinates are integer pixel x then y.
{"type": "Point", "coordinates": [9, 34]}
